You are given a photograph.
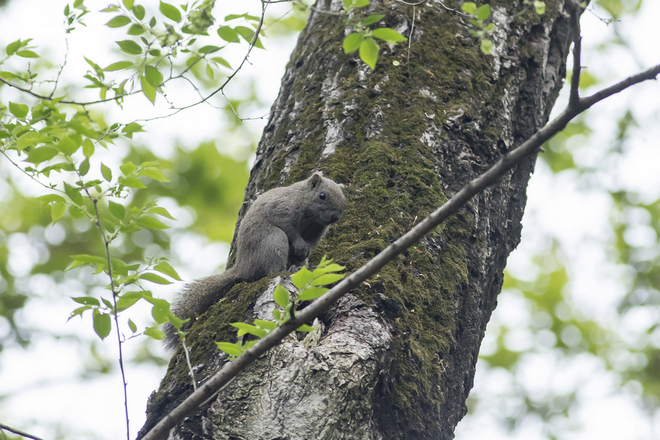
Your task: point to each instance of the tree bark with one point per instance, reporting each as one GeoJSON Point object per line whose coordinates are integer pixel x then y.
{"type": "Point", "coordinates": [395, 359]}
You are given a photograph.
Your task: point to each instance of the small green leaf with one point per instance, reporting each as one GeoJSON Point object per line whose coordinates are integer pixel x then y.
{"type": "Point", "coordinates": [67, 145]}
{"type": "Point", "coordinates": [469, 7]}
{"type": "Point", "coordinates": [127, 168]}
{"type": "Point", "coordinates": [170, 12]}
{"type": "Point", "coordinates": [139, 11]}
{"type": "Point", "coordinates": [352, 42]}
{"type": "Point", "coordinates": [128, 130]}
{"type": "Point", "coordinates": [148, 90]}
{"type": "Point", "coordinates": [106, 172]}
{"type": "Point", "coordinates": [130, 47]}
{"type": "Point", "coordinates": [301, 278]}
{"type": "Point", "coordinates": [131, 325]}
{"type": "Point", "coordinates": [118, 21]}
{"type": "Point", "coordinates": [311, 293]}
{"type": "Point", "coordinates": [486, 46]}
{"type": "Point", "coordinates": [483, 12]}
{"type": "Point", "coordinates": [132, 182]}
{"type": "Point", "coordinates": [277, 314]}
{"type": "Point", "coordinates": [161, 211]}
{"type": "Point", "coordinates": [13, 47]}
{"type": "Point", "coordinates": [151, 223]}
{"type": "Point", "coordinates": [306, 328]}
{"type": "Point", "coordinates": [18, 110]}
{"type": "Point", "coordinates": [128, 3]}
{"type": "Point", "coordinates": [540, 7]}
{"type": "Point", "coordinates": [153, 75]}
{"type": "Point", "coordinates": [41, 154]}
{"type": "Point", "coordinates": [153, 173]}
{"type": "Point", "coordinates": [27, 54]}
{"type": "Point", "coordinates": [233, 350]}
{"type": "Point", "coordinates": [372, 19]}
{"type": "Point", "coordinates": [154, 278]}
{"type": "Point", "coordinates": [326, 279]}
{"type": "Point", "coordinates": [119, 65]}
{"type": "Point", "coordinates": [244, 328]}
{"type": "Point", "coordinates": [387, 34]}
{"type": "Point", "coordinates": [74, 194]}
{"type": "Point", "coordinates": [165, 268]}
{"type": "Point", "coordinates": [268, 325]}
{"type": "Point", "coordinates": [87, 300]}
{"type": "Point", "coordinates": [117, 210]}
{"type": "Point", "coordinates": [76, 212]}
{"type": "Point", "coordinates": [281, 296]}
{"type": "Point", "coordinates": [88, 148]}
{"type": "Point", "coordinates": [57, 211]}
{"type": "Point", "coordinates": [154, 333]}
{"type": "Point", "coordinates": [90, 259]}
{"type": "Point", "coordinates": [84, 167]}
{"type": "Point", "coordinates": [222, 62]}
{"type": "Point", "coordinates": [369, 52]}
{"type": "Point", "coordinates": [160, 315]}
{"type": "Point", "coordinates": [102, 324]}
{"type": "Point", "coordinates": [135, 30]}
{"type": "Point", "coordinates": [127, 300]}
{"type": "Point", "coordinates": [228, 34]}
{"type": "Point", "coordinates": [48, 198]}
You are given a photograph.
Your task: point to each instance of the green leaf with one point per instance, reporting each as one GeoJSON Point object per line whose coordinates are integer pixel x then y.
{"type": "Point", "coordinates": [128, 3]}
{"type": "Point", "coordinates": [469, 7]}
{"type": "Point", "coordinates": [131, 324]}
{"type": "Point", "coordinates": [153, 173]}
{"type": "Point", "coordinates": [119, 65]}
{"type": "Point", "coordinates": [228, 34]}
{"type": "Point", "coordinates": [244, 328]}
{"type": "Point", "coordinates": [352, 42]}
{"type": "Point", "coordinates": [369, 52]}
{"type": "Point", "coordinates": [18, 110]}
{"type": "Point", "coordinates": [306, 328]}
{"type": "Point", "coordinates": [27, 54]}
{"type": "Point", "coordinates": [132, 182]}
{"type": "Point", "coordinates": [117, 210]}
{"type": "Point", "coordinates": [150, 222]}
{"type": "Point", "coordinates": [209, 49]}
{"type": "Point", "coordinates": [161, 211]}
{"type": "Point", "coordinates": [170, 12]}
{"type": "Point", "coordinates": [540, 7]}
{"type": "Point", "coordinates": [483, 12]}
{"type": "Point", "coordinates": [154, 278]}
{"type": "Point", "coordinates": [41, 154]}
{"type": "Point", "coordinates": [128, 130]}
{"type": "Point", "coordinates": [67, 145]}
{"type": "Point", "coordinates": [160, 315]}
{"type": "Point", "coordinates": [130, 47]}
{"type": "Point", "coordinates": [139, 11]}
{"type": "Point", "coordinates": [13, 47]}
{"type": "Point", "coordinates": [57, 211]}
{"type": "Point", "coordinates": [311, 293]}
{"type": "Point", "coordinates": [233, 350]}
{"type": "Point", "coordinates": [387, 34]}
{"type": "Point", "coordinates": [326, 279]}
{"type": "Point", "coordinates": [165, 268]}
{"type": "Point", "coordinates": [153, 75]}
{"type": "Point", "coordinates": [84, 167]}
{"type": "Point", "coordinates": [118, 21]}
{"type": "Point", "coordinates": [135, 30]}
{"type": "Point", "coordinates": [372, 19]}
{"type": "Point", "coordinates": [277, 314]}
{"type": "Point", "coordinates": [154, 333]}
{"type": "Point", "coordinates": [148, 90]}
{"type": "Point", "coordinates": [74, 194]}
{"type": "Point", "coordinates": [222, 62]}
{"type": "Point", "coordinates": [281, 296]}
{"type": "Point", "coordinates": [301, 278]}
{"type": "Point", "coordinates": [486, 46]}
{"type": "Point", "coordinates": [102, 324]}
{"type": "Point", "coordinates": [127, 300]}
{"type": "Point", "coordinates": [268, 325]}
{"type": "Point", "coordinates": [127, 168]}
{"type": "Point", "coordinates": [90, 259]}
{"type": "Point", "coordinates": [76, 212]}
{"type": "Point", "coordinates": [106, 172]}
{"type": "Point", "coordinates": [87, 300]}
{"type": "Point", "coordinates": [88, 148]}
{"type": "Point", "coordinates": [48, 198]}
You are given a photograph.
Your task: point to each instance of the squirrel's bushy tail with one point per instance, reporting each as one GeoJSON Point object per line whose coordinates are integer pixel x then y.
{"type": "Point", "coordinates": [196, 298]}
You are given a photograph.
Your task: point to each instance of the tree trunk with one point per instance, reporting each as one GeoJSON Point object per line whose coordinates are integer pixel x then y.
{"type": "Point", "coordinates": [395, 359]}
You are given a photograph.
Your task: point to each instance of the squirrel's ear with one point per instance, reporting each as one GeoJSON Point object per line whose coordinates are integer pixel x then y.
{"type": "Point", "coordinates": [315, 180]}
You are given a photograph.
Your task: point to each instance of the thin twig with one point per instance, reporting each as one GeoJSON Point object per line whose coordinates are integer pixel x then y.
{"type": "Point", "coordinates": [192, 373]}
{"type": "Point", "coordinates": [577, 55]}
{"type": "Point", "coordinates": [4, 427]}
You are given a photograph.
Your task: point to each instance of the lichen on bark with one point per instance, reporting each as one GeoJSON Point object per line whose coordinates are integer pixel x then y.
{"type": "Point", "coordinates": [396, 358]}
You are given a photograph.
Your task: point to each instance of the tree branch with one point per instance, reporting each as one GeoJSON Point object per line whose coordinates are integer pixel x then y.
{"type": "Point", "coordinates": [577, 55]}
{"type": "Point", "coordinates": [322, 304]}
{"type": "Point", "coordinates": [4, 427]}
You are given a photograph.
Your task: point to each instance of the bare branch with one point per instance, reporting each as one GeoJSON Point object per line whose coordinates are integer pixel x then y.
{"type": "Point", "coordinates": [577, 55]}
{"type": "Point", "coordinates": [4, 427]}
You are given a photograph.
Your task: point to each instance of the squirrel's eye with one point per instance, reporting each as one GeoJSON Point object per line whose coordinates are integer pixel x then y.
{"type": "Point", "coordinates": [322, 196]}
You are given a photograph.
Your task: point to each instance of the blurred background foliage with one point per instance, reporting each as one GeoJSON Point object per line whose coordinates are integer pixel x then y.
{"type": "Point", "coordinates": [540, 325]}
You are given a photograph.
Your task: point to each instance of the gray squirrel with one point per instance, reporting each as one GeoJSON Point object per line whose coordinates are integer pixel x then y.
{"type": "Point", "coordinates": [279, 230]}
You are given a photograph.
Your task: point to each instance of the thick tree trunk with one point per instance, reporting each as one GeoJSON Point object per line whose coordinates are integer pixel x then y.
{"type": "Point", "coordinates": [396, 358]}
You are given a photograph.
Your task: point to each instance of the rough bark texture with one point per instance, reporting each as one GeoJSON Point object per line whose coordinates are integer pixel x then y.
{"type": "Point", "coordinates": [396, 358]}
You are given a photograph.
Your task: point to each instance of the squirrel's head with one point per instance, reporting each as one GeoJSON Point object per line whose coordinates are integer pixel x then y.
{"type": "Point", "coordinates": [327, 198]}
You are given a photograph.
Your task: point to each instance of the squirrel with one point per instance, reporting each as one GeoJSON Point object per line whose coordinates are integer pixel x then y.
{"type": "Point", "coordinates": [279, 231]}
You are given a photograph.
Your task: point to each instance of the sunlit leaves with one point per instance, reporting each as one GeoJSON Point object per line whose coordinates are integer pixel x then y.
{"type": "Point", "coordinates": [170, 11]}
{"type": "Point", "coordinates": [118, 21]}
{"type": "Point", "coordinates": [369, 52]}
{"type": "Point", "coordinates": [130, 47]}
